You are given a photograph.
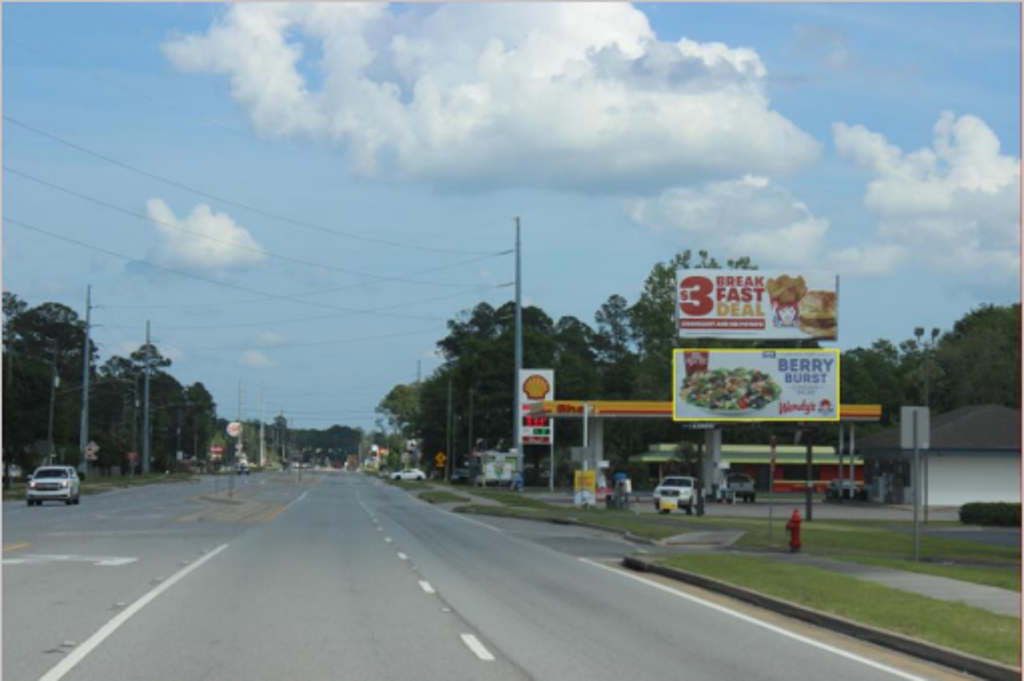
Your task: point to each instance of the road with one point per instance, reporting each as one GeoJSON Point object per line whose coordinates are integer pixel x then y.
{"type": "Point", "coordinates": [343, 577]}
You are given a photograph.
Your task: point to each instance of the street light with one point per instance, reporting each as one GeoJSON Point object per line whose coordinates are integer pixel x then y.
{"type": "Point", "coordinates": [926, 349]}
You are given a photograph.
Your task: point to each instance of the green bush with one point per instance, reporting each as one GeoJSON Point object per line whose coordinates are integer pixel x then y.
{"type": "Point", "coordinates": [999, 514]}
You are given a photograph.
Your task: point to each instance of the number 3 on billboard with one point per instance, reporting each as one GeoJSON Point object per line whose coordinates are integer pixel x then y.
{"type": "Point", "coordinates": [695, 294]}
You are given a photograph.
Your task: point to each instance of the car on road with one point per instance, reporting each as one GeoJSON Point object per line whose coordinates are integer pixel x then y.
{"type": "Point", "coordinates": [243, 468]}
{"type": "Point", "coordinates": [676, 490]}
{"type": "Point", "coordinates": [742, 486]}
{"type": "Point", "coordinates": [53, 483]}
{"type": "Point", "coordinates": [411, 474]}
{"type": "Point", "coordinates": [460, 476]}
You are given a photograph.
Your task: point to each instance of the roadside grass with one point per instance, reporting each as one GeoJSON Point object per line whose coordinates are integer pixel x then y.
{"type": "Point", "coordinates": [409, 484]}
{"type": "Point", "coordinates": [612, 520]}
{"type": "Point", "coordinates": [954, 625]}
{"type": "Point", "coordinates": [853, 537]}
{"type": "Point", "coordinates": [509, 498]}
{"type": "Point", "coordinates": [1000, 577]}
{"type": "Point", "coordinates": [443, 497]}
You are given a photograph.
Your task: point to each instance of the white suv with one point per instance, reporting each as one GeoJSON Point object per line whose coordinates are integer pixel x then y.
{"type": "Point", "coordinates": [677, 489]}
{"type": "Point", "coordinates": [59, 483]}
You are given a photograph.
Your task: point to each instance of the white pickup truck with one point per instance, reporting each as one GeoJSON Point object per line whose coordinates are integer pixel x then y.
{"type": "Point", "coordinates": [674, 493]}
{"type": "Point", "coordinates": [741, 486]}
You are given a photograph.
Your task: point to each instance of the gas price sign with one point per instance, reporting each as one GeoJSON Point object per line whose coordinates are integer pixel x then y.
{"type": "Point", "coordinates": [536, 385]}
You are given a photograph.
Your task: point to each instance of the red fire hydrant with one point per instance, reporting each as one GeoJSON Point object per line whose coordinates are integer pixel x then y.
{"type": "Point", "coordinates": [793, 528]}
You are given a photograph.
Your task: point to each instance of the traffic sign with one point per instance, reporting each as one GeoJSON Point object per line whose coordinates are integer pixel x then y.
{"type": "Point", "coordinates": [91, 450]}
{"type": "Point", "coordinates": [234, 428]}
{"type": "Point", "coordinates": [133, 456]}
{"type": "Point", "coordinates": [440, 458]}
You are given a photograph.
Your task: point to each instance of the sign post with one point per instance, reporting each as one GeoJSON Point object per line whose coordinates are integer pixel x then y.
{"type": "Point", "coordinates": [915, 427]}
{"type": "Point", "coordinates": [535, 386]}
{"type": "Point", "coordinates": [771, 490]}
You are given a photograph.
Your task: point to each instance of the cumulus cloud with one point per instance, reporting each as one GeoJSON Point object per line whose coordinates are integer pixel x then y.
{"type": "Point", "coordinates": [271, 338]}
{"type": "Point", "coordinates": [955, 205]}
{"type": "Point", "coordinates": [579, 96]}
{"type": "Point", "coordinates": [255, 359]}
{"type": "Point", "coordinates": [756, 217]}
{"type": "Point", "coordinates": [204, 240]}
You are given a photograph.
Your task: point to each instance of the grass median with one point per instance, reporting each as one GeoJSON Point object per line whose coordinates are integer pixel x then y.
{"type": "Point", "coordinates": [443, 498]}
{"type": "Point", "coordinates": [953, 625]}
{"type": "Point", "coordinates": [96, 485]}
{"type": "Point", "coordinates": [618, 521]}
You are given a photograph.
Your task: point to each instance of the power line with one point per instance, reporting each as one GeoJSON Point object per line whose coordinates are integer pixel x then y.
{"type": "Point", "coordinates": [341, 341]}
{"type": "Point", "coordinates": [206, 280]}
{"type": "Point", "coordinates": [229, 244]}
{"type": "Point", "coordinates": [236, 204]}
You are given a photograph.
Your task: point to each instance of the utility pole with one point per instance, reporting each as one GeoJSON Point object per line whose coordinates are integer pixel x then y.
{"type": "Point", "coordinates": [448, 436]}
{"type": "Point", "coordinates": [54, 380]}
{"type": "Point", "coordinates": [517, 415]}
{"type": "Point", "coordinates": [83, 434]}
{"type": "Point", "coordinates": [238, 443]}
{"type": "Point", "coordinates": [262, 418]}
{"type": "Point", "coordinates": [145, 407]}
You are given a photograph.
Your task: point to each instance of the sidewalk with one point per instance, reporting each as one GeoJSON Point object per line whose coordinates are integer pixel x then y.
{"type": "Point", "coordinates": [998, 601]}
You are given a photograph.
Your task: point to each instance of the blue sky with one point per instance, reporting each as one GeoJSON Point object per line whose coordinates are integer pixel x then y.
{"type": "Point", "coordinates": [878, 141]}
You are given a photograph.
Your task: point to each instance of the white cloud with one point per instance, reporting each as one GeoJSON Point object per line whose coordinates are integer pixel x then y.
{"type": "Point", "coordinates": [569, 95]}
{"type": "Point", "coordinates": [756, 217]}
{"type": "Point", "coordinates": [271, 338]}
{"type": "Point", "coordinates": [954, 205]}
{"type": "Point", "coordinates": [205, 240]}
{"type": "Point", "coordinates": [255, 360]}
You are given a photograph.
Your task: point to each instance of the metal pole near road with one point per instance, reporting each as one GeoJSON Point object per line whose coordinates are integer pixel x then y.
{"type": "Point", "coordinates": [83, 433]}
{"type": "Point", "coordinates": [145, 408]}
{"type": "Point", "coordinates": [917, 488]}
{"type": "Point", "coordinates": [449, 462]}
{"type": "Point", "coordinates": [54, 379]}
{"type": "Point", "coordinates": [771, 491]}
{"type": "Point", "coordinates": [517, 415]}
{"type": "Point", "coordinates": [810, 470]}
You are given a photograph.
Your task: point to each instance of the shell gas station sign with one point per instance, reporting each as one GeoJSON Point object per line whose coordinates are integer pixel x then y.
{"type": "Point", "coordinates": [535, 387]}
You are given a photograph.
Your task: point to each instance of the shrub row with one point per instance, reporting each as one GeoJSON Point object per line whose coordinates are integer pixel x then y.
{"type": "Point", "coordinates": [999, 514]}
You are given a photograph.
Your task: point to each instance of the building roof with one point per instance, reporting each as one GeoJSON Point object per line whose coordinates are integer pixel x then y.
{"type": "Point", "coordinates": [976, 428]}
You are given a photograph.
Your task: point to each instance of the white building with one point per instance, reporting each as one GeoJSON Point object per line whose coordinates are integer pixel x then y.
{"type": "Point", "coordinates": [975, 455]}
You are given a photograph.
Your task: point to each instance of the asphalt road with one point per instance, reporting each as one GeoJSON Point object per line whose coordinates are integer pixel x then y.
{"type": "Point", "coordinates": [344, 577]}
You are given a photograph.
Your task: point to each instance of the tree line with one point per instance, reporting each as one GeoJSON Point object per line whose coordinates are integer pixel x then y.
{"type": "Point", "coordinates": [43, 350]}
{"type": "Point", "coordinates": [626, 354]}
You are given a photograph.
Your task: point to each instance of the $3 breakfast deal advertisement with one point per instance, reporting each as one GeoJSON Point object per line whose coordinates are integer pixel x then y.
{"type": "Point", "coordinates": [755, 385]}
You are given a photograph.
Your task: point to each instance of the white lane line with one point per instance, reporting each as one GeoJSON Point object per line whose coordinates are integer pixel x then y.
{"type": "Point", "coordinates": [402, 556]}
{"type": "Point", "coordinates": [79, 653]}
{"type": "Point", "coordinates": [301, 497]}
{"type": "Point", "coordinates": [759, 623]}
{"type": "Point", "coordinates": [387, 540]}
{"type": "Point", "coordinates": [460, 516]}
{"type": "Point", "coordinates": [426, 587]}
{"type": "Point", "coordinates": [477, 647]}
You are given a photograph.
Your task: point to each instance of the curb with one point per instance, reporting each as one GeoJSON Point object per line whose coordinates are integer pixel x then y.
{"type": "Point", "coordinates": [962, 662]}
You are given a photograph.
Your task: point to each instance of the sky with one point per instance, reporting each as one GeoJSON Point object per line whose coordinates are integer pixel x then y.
{"type": "Point", "coordinates": [298, 197]}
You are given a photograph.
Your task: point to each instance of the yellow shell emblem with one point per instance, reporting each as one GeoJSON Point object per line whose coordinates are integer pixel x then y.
{"type": "Point", "coordinates": [536, 387]}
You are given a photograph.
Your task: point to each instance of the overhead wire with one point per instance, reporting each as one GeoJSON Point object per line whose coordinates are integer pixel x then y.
{"type": "Point", "coordinates": [230, 244]}
{"type": "Point", "coordinates": [231, 202]}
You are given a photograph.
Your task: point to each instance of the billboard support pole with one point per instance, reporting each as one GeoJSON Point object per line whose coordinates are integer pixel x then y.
{"type": "Point", "coordinates": [810, 460]}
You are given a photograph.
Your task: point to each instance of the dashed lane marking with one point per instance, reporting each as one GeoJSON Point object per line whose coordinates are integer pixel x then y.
{"type": "Point", "coordinates": [426, 587]}
{"type": "Point", "coordinates": [478, 648]}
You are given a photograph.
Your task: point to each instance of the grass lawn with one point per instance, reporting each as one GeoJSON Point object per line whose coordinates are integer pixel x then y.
{"type": "Point", "coordinates": [409, 484]}
{"type": "Point", "coordinates": [882, 539]}
{"type": "Point", "coordinates": [508, 498]}
{"type": "Point", "coordinates": [443, 497]}
{"type": "Point", "coordinates": [95, 485]}
{"type": "Point", "coordinates": [971, 630]}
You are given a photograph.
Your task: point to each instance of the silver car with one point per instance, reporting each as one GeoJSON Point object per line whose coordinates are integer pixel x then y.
{"type": "Point", "coordinates": [59, 483]}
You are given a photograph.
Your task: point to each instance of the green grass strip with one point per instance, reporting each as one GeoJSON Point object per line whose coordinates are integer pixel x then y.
{"type": "Point", "coordinates": [953, 625]}
{"type": "Point", "coordinates": [443, 497]}
{"type": "Point", "coordinates": [508, 498]}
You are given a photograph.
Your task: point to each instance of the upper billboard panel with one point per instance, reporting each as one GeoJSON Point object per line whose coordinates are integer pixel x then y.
{"type": "Point", "coordinates": [757, 305]}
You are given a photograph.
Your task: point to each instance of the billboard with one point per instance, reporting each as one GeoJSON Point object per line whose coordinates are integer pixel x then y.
{"type": "Point", "coordinates": [755, 385]}
{"type": "Point", "coordinates": [535, 386]}
{"type": "Point", "coordinates": [755, 304]}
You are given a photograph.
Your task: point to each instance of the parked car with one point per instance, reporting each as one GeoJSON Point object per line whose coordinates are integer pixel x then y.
{"type": "Point", "coordinates": [57, 483]}
{"type": "Point", "coordinates": [742, 486]}
{"type": "Point", "coordinates": [411, 474]}
{"type": "Point", "coordinates": [850, 490]}
{"type": "Point", "coordinates": [243, 468]}
{"type": "Point", "coordinates": [460, 476]}
{"type": "Point", "coordinates": [679, 489]}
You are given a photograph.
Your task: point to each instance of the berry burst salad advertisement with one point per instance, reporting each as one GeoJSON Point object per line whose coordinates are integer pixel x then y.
{"type": "Point", "coordinates": [756, 385]}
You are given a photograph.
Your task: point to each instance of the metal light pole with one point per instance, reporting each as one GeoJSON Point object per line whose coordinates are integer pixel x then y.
{"type": "Point", "coordinates": [927, 349]}
{"type": "Point", "coordinates": [83, 433]}
{"type": "Point", "coordinates": [517, 416]}
{"type": "Point", "coordinates": [145, 410]}
{"type": "Point", "coordinates": [262, 418]}
{"type": "Point", "coordinates": [54, 380]}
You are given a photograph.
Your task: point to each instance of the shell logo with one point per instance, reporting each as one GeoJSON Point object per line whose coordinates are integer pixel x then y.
{"type": "Point", "coordinates": [536, 387]}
